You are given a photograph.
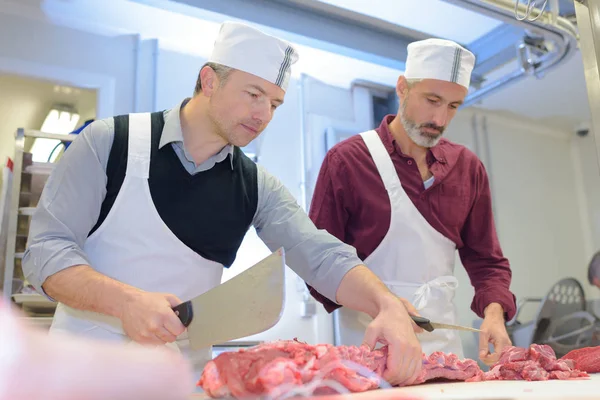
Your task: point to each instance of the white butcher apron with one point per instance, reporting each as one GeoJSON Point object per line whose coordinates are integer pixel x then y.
{"type": "Point", "coordinates": [133, 245]}
{"type": "Point", "coordinates": [414, 260]}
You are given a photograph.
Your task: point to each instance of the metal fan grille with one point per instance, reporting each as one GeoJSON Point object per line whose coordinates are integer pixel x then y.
{"type": "Point", "coordinates": [566, 297]}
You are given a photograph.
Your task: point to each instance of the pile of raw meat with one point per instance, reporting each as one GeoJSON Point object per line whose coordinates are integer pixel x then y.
{"type": "Point", "coordinates": [537, 363]}
{"type": "Point", "coordinates": [271, 369]}
{"type": "Point", "coordinates": [275, 368]}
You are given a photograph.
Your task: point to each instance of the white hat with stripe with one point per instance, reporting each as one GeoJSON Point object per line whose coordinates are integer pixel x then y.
{"type": "Point", "coordinates": [250, 50]}
{"type": "Point", "coordinates": [439, 59]}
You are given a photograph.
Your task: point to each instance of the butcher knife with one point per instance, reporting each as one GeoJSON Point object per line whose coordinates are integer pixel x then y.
{"type": "Point", "coordinates": [431, 326]}
{"type": "Point", "coordinates": [247, 304]}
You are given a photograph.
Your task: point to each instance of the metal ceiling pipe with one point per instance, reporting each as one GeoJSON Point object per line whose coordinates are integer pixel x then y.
{"type": "Point", "coordinates": [561, 33]}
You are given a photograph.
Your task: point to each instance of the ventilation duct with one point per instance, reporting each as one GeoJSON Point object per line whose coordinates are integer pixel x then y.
{"type": "Point", "coordinates": [548, 41]}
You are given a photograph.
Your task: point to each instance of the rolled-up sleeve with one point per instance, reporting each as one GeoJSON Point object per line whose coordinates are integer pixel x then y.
{"type": "Point", "coordinates": [317, 257]}
{"type": "Point", "coordinates": [69, 206]}
{"type": "Point", "coordinates": [481, 255]}
{"type": "Point", "coordinates": [329, 209]}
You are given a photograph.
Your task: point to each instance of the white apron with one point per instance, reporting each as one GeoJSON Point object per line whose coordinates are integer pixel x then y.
{"type": "Point", "coordinates": [133, 245]}
{"type": "Point", "coordinates": [414, 260]}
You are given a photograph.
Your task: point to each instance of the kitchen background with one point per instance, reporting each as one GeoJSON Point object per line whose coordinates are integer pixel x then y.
{"type": "Point", "coordinates": [98, 58]}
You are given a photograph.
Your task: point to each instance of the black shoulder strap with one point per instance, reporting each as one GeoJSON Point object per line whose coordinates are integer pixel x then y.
{"type": "Point", "coordinates": [117, 159]}
{"type": "Point", "coordinates": [158, 122]}
{"type": "Point", "coordinates": [116, 167]}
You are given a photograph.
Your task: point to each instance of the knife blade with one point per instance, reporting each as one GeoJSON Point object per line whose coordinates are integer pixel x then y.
{"type": "Point", "coordinates": [247, 304]}
{"type": "Point", "coordinates": [431, 326]}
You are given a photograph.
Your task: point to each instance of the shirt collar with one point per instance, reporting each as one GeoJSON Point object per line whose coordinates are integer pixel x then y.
{"type": "Point", "coordinates": [172, 132]}
{"type": "Point", "coordinates": [435, 153]}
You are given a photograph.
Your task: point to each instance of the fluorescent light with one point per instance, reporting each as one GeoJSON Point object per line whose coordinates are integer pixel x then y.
{"type": "Point", "coordinates": [60, 120]}
{"type": "Point", "coordinates": [42, 148]}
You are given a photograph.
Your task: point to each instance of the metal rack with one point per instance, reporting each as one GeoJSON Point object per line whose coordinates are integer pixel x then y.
{"type": "Point", "coordinates": [27, 184]}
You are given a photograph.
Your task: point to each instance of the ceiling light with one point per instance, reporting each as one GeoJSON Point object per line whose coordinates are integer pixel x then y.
{"type": "Point", "coordinates": [60, 120]}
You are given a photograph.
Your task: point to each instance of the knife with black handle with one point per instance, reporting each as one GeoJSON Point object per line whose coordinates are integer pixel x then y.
{"type": "Point", "coordinates": [431, 326]}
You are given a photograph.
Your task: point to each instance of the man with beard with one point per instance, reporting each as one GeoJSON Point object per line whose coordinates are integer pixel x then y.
{"type": "Point", "coordinates": [144, 210]}
{"type": "Point", "coordinates": [407, 198]}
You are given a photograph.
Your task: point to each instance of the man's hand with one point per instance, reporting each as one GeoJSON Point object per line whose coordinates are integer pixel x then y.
{"type": "Point", "coordinates": [494, 332]}
{"type": "Point", "coordinates": [148, 318]}
{"type": "Point", "coordinates": [393, 326]}
{"type": "Point", "coordinates": [363, 291]}
{"type": "Point", "coordinates": [412, 311]}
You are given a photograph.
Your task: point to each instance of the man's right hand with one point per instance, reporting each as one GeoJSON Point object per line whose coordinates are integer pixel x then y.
{"type": "Point", "coordinates": [148, 318]}
{"type": "Point", "coordinates": [412, 311]}
{"type": "Point", "coordinates": [393, 327]}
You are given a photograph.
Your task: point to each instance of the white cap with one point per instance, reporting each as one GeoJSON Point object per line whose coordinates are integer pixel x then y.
{"type": "Point", "coordinates": [439, 59]}
{"type": "Point", "coordinates": [245, 48]}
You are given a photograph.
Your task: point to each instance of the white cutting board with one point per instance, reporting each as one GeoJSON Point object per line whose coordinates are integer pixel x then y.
{"type": "Point", "coordinates": [553, 389]}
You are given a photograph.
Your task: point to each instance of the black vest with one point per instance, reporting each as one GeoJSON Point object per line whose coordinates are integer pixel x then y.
{"type": "Point", "coordinates": [210, 212]}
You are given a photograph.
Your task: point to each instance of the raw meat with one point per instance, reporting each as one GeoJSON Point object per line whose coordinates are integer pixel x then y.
{"type": "Point", "coordinates": [537, 363]}
{"type": "Point", "coordinates": [277, 367]}
{"type": "Point", "coordinates": [440, 365]}
{"type": "Point", "coordinates": [272, 368]}
{"type": "Point", "coordinates": [586, 359]}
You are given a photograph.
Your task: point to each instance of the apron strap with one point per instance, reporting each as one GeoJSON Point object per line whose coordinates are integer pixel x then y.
{"type": "Point", "coordinates": [140, 140]}
{"type": "Point", "coordinates": [383, 162]}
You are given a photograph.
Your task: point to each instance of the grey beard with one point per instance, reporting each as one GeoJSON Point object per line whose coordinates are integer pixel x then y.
{"type": "Point", "coordinates": [414, 133]}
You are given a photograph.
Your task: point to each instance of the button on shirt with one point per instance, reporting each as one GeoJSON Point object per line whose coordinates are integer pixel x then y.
{"type": "Point", "coordinates": [70, 205]}
{"type": "Point", "coordinates": [351, 203]}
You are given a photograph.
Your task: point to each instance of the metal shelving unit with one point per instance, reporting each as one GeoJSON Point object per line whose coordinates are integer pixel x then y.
{"type": "Point", "coordinates": [28, 181]}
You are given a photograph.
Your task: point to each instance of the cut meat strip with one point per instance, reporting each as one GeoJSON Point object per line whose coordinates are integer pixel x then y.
{"type": "Point", "coordinates": [449, 367]}
{"type": "Point", "coordinates": [586, 359]}
{"type": "Point", "coordinates": [275, 368]}
{"type": "Point", "coordinates": [537, 363]}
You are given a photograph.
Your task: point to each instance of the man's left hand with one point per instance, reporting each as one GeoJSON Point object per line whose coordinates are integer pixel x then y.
{"type": "Point", "coordinates": [494, 332]}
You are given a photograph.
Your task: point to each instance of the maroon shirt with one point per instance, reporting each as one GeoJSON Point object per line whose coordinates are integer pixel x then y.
{"type": "Point", "coordinates": [351, 203]}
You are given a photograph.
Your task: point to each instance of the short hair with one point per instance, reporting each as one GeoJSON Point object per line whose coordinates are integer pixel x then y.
{"type": "Point", "coordinates": [222, 72]}
{"type": "Point", "coordinates": [594, 268]}
{"type": "Point", "coordinates": [412, 82]}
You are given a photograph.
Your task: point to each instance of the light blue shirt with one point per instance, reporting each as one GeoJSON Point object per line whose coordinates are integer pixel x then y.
{"type": "Point", "coordinates": [428, 182]}
{"type": "Point", "coordinates": [70, 206]}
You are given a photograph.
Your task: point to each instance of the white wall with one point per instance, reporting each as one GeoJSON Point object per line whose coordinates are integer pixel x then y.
{"type": "Point", "coordinates": [145, 55]}
{"type": "Point", "coordinates": [326, 106]}
{"type": "Point", "coordinates": [176, 77]}
{"type": "Point", "coordinates": [537, 193]}
{"type": "Point", "coordinates": [54, 46]}
{"type": "Point", "coordinates": [585, 148]}
{"type": "Point", "coordinates": [36, 49]}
